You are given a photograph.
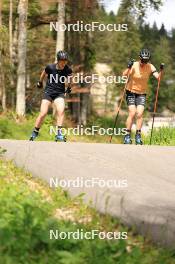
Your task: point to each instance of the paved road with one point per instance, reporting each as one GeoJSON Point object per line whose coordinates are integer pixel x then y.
{"type": "Point", "coordinates": [147, 203]}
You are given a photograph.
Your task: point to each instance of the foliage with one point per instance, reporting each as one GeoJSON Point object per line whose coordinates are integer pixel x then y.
{"type": "Point", "coordinates": [116, 48]}
{"type": "Point", "coordinates": [2, 151]}
{"type": "Point", "coordinates": [10, 129]}
{"type": "Point", "coordinates": [85, 49]}
{"type": "Point", "coordinates": [27, 216]}
{"type": "Point", "coordinates": [162, 136]}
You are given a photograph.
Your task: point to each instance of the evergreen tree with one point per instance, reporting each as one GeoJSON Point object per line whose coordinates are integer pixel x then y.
{"type": "Point", "coordinates": [162, 31]}
{"type": "Point", "coordinates": [162, 53]}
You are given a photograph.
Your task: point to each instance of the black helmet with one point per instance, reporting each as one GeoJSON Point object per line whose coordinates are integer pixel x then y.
{"type": "Point", "coordinates": [62, 55]}
{"type": "Point", "coordinates": [145, 55]}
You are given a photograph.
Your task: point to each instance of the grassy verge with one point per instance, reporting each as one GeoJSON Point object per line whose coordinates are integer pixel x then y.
{"type": "Point", "coordinates": [163, 136]}
{"type": "Point", "coordinates": [29, 209]}
{"type": "Point", "coordinates": [21, 130]}
{"type": "Point", "coordinates": [13, 129]}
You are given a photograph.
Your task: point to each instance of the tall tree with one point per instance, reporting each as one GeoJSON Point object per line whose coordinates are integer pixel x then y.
{"type": "Point", "coordinates": [2, 76]}
{"type": "Point", "coordinates": [126, 44]}
{"type": "Point", "coordinates": [11, 29]}
{"type": "Point", "coordinates": [162, 53]}
{"type": "Point", "coordinates": [11, 40]}
{"type": "Point", "coordinates": [172, 43]}
{"type": "Point", "coordinates": [22, 43]}
{"type": "Point", "coordinates": [1, 51]}
{"type": "Point", "coordinates": [140, 7]}
{"type": "Point", "coordinates": [162, 31]}
{"type": "Point", "coordinates": [61, 20]}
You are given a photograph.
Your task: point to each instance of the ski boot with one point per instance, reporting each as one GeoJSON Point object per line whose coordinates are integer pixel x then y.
{"type": "Point", "coordinates": [127, 139]}
{"type": "Point", "coordinates": [138, 139]}
{"type": "Point", "coordinates": [60, 137]}
{"type": "Point", "coordinates": [34, 135]}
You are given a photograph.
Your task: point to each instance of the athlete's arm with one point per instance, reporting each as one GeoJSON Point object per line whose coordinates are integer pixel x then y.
{"type": "Point", "coordinates": [130, 64]}
{"type": "Point", "coordinates": [69, 80]}
{"type": "Point", "coordinates": [126, 72]}
{"type": "Point", "coordinates": [155, 72]}
{"type": "Point", "coordinates": [42, 76]}
{"type": "Point", "coordinates": [156, 75]}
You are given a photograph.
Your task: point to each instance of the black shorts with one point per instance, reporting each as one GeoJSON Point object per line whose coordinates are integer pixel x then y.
{"type": "Point", "coordinates": [135, 99]}
{"type": "Point", "coordinates": [51, 97]}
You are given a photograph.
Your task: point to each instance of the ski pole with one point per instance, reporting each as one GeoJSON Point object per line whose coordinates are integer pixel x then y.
{"type": "Point", "coordinates": [121, 101]}
{"type": "Point", "coordinates": [156, 100]}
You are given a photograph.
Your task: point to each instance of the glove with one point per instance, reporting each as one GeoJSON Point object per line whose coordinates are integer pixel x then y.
{"type": "Point", "coordinates": [130, 64]}
{"type": "Point", "coordinates": [162, 65]}
{"type": "Point", "coordinates": [68, 90]}
{"type": "Point", "coordinates": [39, 84]}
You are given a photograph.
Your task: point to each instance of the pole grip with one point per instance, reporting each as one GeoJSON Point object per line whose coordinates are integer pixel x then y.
{"type": "Point", "coordinates": [162, 65]}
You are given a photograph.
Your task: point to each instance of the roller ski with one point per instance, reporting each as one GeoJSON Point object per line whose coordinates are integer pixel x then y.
{"type": "Point", "coordinates": [127, 139]}
{"type": "Point", "coordinates": [138, 139]}
{"type": "Point", "coordinates": [34, 135]}
{"type": "Point", "coordinates": [60, 138]}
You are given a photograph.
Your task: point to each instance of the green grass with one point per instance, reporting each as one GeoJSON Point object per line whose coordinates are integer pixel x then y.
{"type": "Point", "coordinates": [21, 130]}
{"type": "Point", "coordinates": [163, 136]}
{"type": "Point", "coordinates": [10, 128]}
{"type": "Point", "coordinates": [28, 211]}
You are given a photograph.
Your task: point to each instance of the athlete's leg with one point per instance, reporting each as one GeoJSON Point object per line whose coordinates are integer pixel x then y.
{"type": "Point", "coordinates": [45, 104]}
{"type": "Point", "coordinates": [129, 122]}
{"type": "Point", "coordinates": [139, 113]}
{"type": "Point", "coordinates": [131, 115]}
{"type": "Point", "coordinates": [139, 122]}
{"type": "Point", "coordinates": [43, 112]}
{"type": "Point", "coordinates": [60, 106]}
{"type": "Point", "coordinates": [131, 102]}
